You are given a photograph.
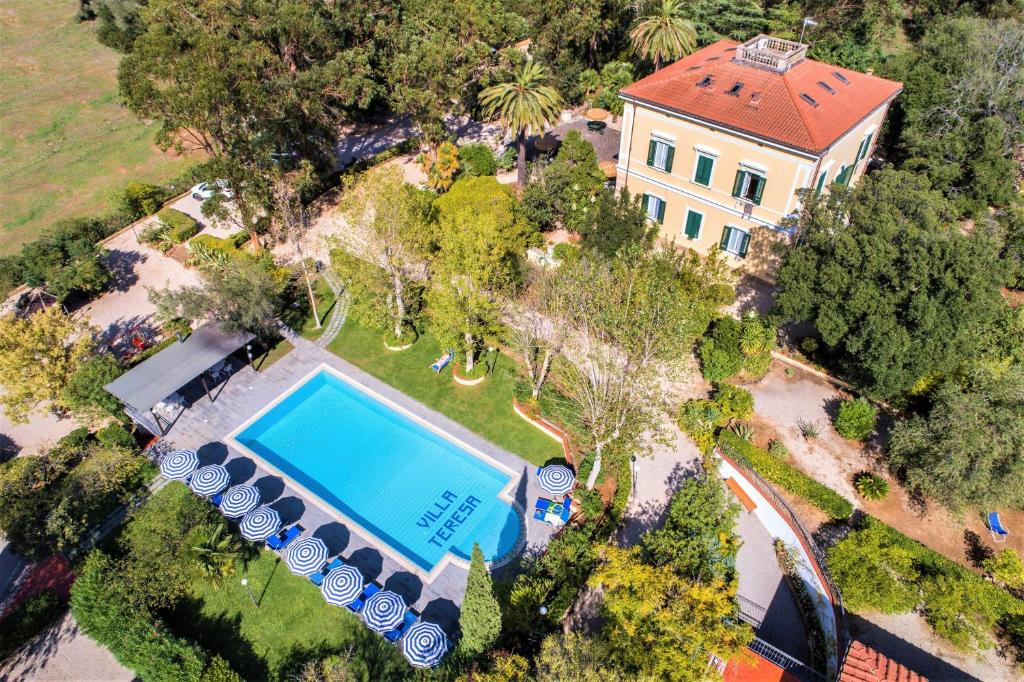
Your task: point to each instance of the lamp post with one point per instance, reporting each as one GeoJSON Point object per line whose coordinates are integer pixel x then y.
{"type": "Point", "coordinates": [248, 352]}
{"type": "Point", "coordinates": [245, 584]}
{"type": "Point", "coordinates": [493, 360]}
{"type": "Point", "coordinates": [632, 459]}
{"type": "Point", "coordinates": [543, 610]}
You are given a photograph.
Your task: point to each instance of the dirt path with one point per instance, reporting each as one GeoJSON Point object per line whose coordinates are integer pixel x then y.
{"type": "Point", "coordinates": [63, 653]}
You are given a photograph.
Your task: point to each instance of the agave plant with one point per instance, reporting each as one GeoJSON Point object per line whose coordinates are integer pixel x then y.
{"type": "Point", "coordinates": [871, 486]}
{"type": "Point", "coordinates": [205, 256]}
{"type": "Point", "coordinates": [808, 429]}
{"type": "Point", "coordinates": [744, 431]}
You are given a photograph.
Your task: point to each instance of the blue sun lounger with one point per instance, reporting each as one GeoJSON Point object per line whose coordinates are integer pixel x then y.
{"type": "Point", "coordinates": [284, 538]}
{"type": "Point", "coordinates": [443, 361]}
{"type": "Point", "coordinates": [318, 577]}
{"type": "Point", "coordinates": [550, 511]}
{"type": "Point", "coordinates": [217, 499]}
{"type": "Point", "coordinates": [995, 526]}
{"type": "Point", "coordinates": [407, 622]}
{"type": "Point", "coordinates": [368, 591]}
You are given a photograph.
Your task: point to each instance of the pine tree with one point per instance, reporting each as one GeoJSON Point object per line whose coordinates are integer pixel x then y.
{"type": "Point", "coordinates": [480, 619]}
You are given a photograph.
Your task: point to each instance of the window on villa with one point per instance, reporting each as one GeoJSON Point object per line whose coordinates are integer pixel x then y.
{"type": "Point", "coordinates": [865, 146]}
{"type": "Point", "coordinates": [821, 181]}
{"type": "Point", "coordinates": [702, 173]}
{"type": "Point", "coordinates": [654, 207]}
{"type": "Point", "coordinates": [844, 175]}
{"type": "Point", "coordinates": [749, 186]}
{"type": "Point", "coordinates": [693, 222]}
{"type": "Point", "coordinates": [660, 154]}
{"type": "Point", "coordinates": [735, 241]}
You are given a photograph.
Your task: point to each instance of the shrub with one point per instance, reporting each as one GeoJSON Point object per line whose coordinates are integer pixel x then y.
{"type": "Point", "coordinates": [84, 393]}
{"type": "Point", "coordinates": [809, 345]}
{"type": "Point", "coordinates": [733, 401]}
{"type": "Point", "coordinates": [566, 252]}
{"type": "Point", "coordinates": [117, 436]}
{"type": "Point", "coordinates": [477, 159]}
{"type": "Point", "coordinates": [786, 476]}
{"type": "Point", "coordinates": [591, 503]}
{"type": "Point", "coordinates": [778, 449]}
{"type": "Point", "coordinates": [27, 620]}
{"type": "Point", "coordinates": [507, 159]}
{"type": "Point", "coordinates": [207, 243]}
{"type": "Point", "coordinates": [808, 429]}
{"type": "Point", "coordinates": [1005, 567]}
{"type": "Point", "coordinates": [871, 486]}
{"type": "Point", "coordinates": [720, 354]}
{"type": "Point", "coordinates": [744, 431]}
{"type": "Point", "coordinates": [181, 226]}
{"type": "Point", "coordinates": [856, 419]}
{"type": "Point", "coordinates": [139, 199]}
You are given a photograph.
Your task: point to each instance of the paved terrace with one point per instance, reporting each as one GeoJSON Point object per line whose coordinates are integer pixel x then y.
{"type": "Point", "coordinates": [205, 425]}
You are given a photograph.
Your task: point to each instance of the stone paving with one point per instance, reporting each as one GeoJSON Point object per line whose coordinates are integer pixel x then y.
{"type": "Point", "coordinates": [205, 425]}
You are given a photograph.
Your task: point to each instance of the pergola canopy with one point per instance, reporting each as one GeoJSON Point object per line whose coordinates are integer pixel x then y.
{"type": "Point", "coordinates": [152, 380]}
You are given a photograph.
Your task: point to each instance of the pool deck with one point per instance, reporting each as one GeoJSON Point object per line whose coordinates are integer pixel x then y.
{"type": "Point", "coordinates": [205, 426]}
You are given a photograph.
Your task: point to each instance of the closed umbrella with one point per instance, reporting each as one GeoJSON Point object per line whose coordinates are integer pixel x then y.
{"type": "Point", "coordinates": [383, 611]}
{"type": "Point", "coordinates": [556, 479]}
{"type": "Point", "coordinates": [239, 501]}
{"type": "Point", "coordinates": [342, 586]}
{"type": "Point", "coordinates": [210, 480]}
{"type": "Point", "coordinates": [260, 524]}
{"type": "Point", "coordinates": [178, 464]}
{"type": "Point", "coordinates": [424, 645]}
{"type": "Point", "coordinates": [306, 556]}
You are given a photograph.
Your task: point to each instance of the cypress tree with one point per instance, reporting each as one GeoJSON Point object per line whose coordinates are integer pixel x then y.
{"type": "Point", "coordinates": [480, 618]}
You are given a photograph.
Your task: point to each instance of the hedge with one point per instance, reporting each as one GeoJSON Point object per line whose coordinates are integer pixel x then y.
{"type": "Point", "coordinates": [181, 226]}
{"type": "Point", "coordinates": [27, 620]}
{"type": "Point", "coordinates": [786, 476]}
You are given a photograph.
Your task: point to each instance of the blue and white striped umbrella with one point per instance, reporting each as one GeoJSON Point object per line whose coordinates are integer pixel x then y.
{"type": "Point", "coordinates": [306, 556]}
{"type": "Point", "coordinates": [239, 501]}
{"type": "Point", "coordinates": [210, 480]}
{"type": "Point", "coordinates": [342, 585]}
{"type": "Point", "coordinates": [424, 645]}
{"type": "Point", "coordinates": [383, 611]}
{"type": "Point", "coordinates": [260, 523]}
{"type": "Point", "coordinates": [556, 479]}
{"type": "Point", "coordinates": [178, 464]}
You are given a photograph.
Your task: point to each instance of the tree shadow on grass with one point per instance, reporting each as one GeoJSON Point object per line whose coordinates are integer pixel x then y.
{"type": "Point", "coordinates": [221, 634]}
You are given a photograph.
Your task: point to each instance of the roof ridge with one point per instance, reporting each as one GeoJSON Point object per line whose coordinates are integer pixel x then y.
{"type": "Point", "coordinates": [793, 97]}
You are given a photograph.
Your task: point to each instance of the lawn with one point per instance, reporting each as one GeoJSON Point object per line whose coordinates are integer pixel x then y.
{"type": "Point", "coordinates": [325, 301]}
{"type": "Point", "coordinates": [273, 353]}
{"type": "Point", "coordinates": [292, 624]}
{"type": "Point", "coordinates": [66, 144]}
{"type": "Point", "coordinates": [485, 409]}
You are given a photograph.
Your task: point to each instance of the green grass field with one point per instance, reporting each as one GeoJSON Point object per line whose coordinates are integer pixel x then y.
{"type": "Point", "coordinates": [485, 409]}
{"type": "Point", "coordinates": [292, 624]}
{"type": "Point", "coordinates": [66, 144]}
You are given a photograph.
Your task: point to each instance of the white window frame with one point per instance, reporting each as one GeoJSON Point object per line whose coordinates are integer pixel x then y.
{"type": "Point", "coordinates": [733, 232]}
{"type": "Point", "coordinates": [745, 187]}
{"type": "Point", "coordinates": [686, 218]}
{"type": "Point", "coordinates": [661, 147]}
{"type": "Point", "coordinates": [655, 206]}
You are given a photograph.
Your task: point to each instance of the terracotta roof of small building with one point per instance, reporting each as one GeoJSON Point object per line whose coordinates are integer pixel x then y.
{"type": "Point", "coordinates": [794, 101]}
{"type": "Point", "coordinates": [864, 664]}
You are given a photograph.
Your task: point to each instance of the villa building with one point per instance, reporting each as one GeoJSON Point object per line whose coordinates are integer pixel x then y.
{"type": "Point", "coordinates": [719, 143]}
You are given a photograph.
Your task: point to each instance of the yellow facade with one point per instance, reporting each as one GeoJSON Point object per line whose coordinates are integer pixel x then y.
{"type": "Point", "coordinates": [784, 171]}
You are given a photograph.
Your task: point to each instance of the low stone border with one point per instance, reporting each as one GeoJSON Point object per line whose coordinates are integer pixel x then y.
{"type": "Point", "coordinates": [396, 349]}
{"type": "Point", "coordinates": [804, 367]}
{"type": "Point", "coordinates": [467, 382]}
{"type": "Point", "coordinates": [548, 428]}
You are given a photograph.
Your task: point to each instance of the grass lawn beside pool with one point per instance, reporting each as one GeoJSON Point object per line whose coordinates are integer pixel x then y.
{"type": "Point", "coordinates": [325, 301]}
{"type": "Point", "coordinates": [485, 409]}
{"type": "Point", "coordinates": [66, 143]}
{"type": "Point", "coordinates": [293, 624]}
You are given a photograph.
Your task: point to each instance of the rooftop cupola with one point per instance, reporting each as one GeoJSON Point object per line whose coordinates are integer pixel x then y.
{"type": "Point", "coordinates": [771, 54]}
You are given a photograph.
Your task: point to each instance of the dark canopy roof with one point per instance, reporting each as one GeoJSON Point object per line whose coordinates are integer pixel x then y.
{"type": "Point", "coordinates": [152, 380]}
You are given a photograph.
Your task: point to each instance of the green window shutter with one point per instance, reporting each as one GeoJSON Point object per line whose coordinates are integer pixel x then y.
{"type": "Point", "coordinates": [844, 177]}
{"type": "Point", "coordinates": [759, 188]}
{"type": "Point", "coordinates": [661, 210]}
{"type": "Point", "coordinates": [651, 148]}
{"type": "Point", "coordinates": [693, 221]}
{"type": "Point", "coordinates": [704, 165]}
{"type": "Point", "coordinates": [644, 201]}
{"type": "Point", "coordinates": [744, 245]}
{"type": "Point", "coordinates": [737, 184]}
{"type": "Point", "coordinates": [668, 159]}
{"type": "Point", "coordinates": [725, 238]}
{"type": "Point", "coordinates": [821, 182]}
{"type": "Point", "coordinates": [863, 151]}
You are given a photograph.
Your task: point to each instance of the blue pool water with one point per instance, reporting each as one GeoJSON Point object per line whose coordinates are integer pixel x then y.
{"type": "Point", "coordinates": [412, 488]}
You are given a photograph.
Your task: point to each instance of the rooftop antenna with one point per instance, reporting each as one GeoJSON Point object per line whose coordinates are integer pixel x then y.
{"type": "Point", "coordinates": [808, 21]}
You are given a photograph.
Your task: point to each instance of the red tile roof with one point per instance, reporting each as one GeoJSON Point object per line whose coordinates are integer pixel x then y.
{"type": "Point", "coordinates": [770, 105]}
{"type": "Point", "coordinates": [864, 664]}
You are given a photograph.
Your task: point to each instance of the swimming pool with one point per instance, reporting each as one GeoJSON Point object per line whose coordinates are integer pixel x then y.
{"type": "Point", "coordinates": [421, 493]}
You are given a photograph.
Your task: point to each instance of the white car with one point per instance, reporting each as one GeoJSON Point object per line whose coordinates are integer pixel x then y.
{"type": "Point", "coordinates": [205, 190]}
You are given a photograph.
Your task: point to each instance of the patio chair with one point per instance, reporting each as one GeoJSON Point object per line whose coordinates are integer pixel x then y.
{"type": "Point", "coordinates": [220, 370]}
{"type": "Point", "coordinates": [443, 361]}
{"type": "Point", "coordinates": [995, 526]}
{"type": "Point", "coordinates": [284, 538]}
{"type": "Point", "coordinates": [318, 577]}
{"type": "Point", "coordinates": [407, 622]}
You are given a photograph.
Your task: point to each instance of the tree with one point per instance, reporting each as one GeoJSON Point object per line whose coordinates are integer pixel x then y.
{"type": "Point", "coordinates": [737, 20]}
{"type": "Point", "coordinates": [874, 572]}
{"type": "Point", "coordinates": [697, 539]}
{"type": "Point", "coordinates": [480, 614]}
{"type": "Point", "coordinates": [440, 163]}
{"type": "Point", "coordinates": [952, 607]}
{"type": "Point", "coordinates": [616, 220]}
{"type": "Point", "coordinates": [140, 199]}
{"type": "Point", "coordinates": [855, 419]}
{"type": "Point", "coordinates": [84, 393]}
{"type": "Point", "coordinates": [241, 293]}
{"type": "Point", "coordinates": [524, 104]}
{"type": "Point", "coordinates": [969, 447]}
{"type": "Point", "coordinates": [65, 259]}
{"type": "Point", "coordinates": [571, 657]}
{"type": "Point", "coordinates": [563, 192]}
{"type": "Point", "coordinates": [214, 550]}
{"type": "Point", "coordinates": [602, 88]}
{"type": "Point", "coordinates": [482, 235]}
{"type": "Point", "coordinates": [38, 358]}
{"type": "Point", "coordinates": [1005, 567]}
{"type": "Point", "coordinates": [961, 109]}
{"type": "Point", "coordinates": [665, 35]}
{"type": "Point", "coordinates": [531, 331]}
{"type": "Point", "coordinates": [245, 85]}
{"type": "Point", "coordinates": [290, 220]}
{"type": "Point", "coordinates": [660, 624]}
{"type": "Point", "coordinates": [895, 291]}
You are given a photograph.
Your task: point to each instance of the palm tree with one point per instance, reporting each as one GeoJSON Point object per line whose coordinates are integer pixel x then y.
{"type": "Point", "coordinates": [214, 551]}
{"type": "Point", "coordinates": [524, 105]}
{"type": "Point", "coordinates": [665, 35]}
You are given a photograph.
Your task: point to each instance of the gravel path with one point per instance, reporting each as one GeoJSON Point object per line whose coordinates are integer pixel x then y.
{"type": "Point", "coordinates": [64, 653]}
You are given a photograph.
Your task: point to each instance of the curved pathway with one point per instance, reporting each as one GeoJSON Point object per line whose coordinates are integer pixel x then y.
{"type": "Point", "coordinates": [338, 315]}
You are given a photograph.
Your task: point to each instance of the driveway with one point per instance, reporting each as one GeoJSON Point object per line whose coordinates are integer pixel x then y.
{"type": "Point", "coordinates": [64, 653]}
